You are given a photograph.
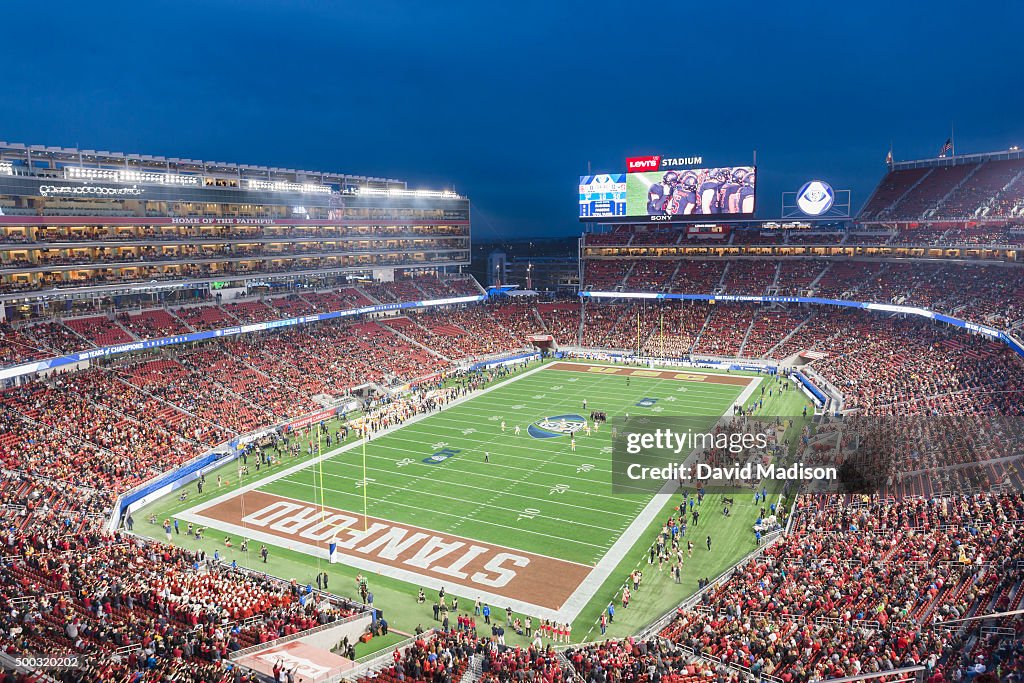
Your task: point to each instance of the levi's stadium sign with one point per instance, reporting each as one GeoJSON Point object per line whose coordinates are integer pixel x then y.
{"type": "Point", "coordinates": [657, 162]}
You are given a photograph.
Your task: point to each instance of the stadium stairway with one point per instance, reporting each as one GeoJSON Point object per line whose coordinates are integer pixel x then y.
{"type": "Point", "coordinates": [750, 326]}
{"type": "Point", "coordinates": [373, 300]}
{"type": "Point", "coordinates": [170, 312]}
{"type": "Point", "coordinates": [720, 287]}
{"type": "Point", "coordinates": [86, 342]}
{"type": "Point", "coordinates": [953, 190]}
{"type": "Point", "coordinates": [814, 283]}
{"type": "Point", "coordinates": [539, 318]}
{"type": "Point", "coordinates": [1009, 189]}
{"type": "Point", "coordinates": [475, 670]}
{"type": "Point", "coordinates": [696, 340]}
{"type": "Point", "coordinates": [891, 209]}
{"type": "Point", "coordinates": [781, 343]}
{"type": "Point", "coordinates": [621, 286]}
{"type": "Point", "coordinates": [671, 282]}
{"type": "Point", "coordinates": [396, 329]}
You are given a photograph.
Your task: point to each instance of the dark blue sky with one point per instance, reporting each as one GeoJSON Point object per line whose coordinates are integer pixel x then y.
{"type": "Point", "coordinates": [508, 101]}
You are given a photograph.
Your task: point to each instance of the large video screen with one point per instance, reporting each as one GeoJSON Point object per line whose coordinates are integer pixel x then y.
{"type": "Point", "coordinates": [675, 194]}
{"type": "Point", "coordinates": [603, 195]}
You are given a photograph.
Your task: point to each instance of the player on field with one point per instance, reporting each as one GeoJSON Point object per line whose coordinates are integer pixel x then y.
{"type": "Point", "coordinates": [487, 456]}
{"type": "Point", "coordinates": [683, 200]}
{"type": "Point", "coordinates": [746, 193]}
{"type": "Point", "coordinates": [586, 428]}
{"type": "Point", "coordinates": [572, 444]}
{"type": "Point", "coordinates": [658, 193]}
{"type": "Point", "coordinates": [517, 430]}
{"type": "Point", "coordinates": [730, 192]}
{"type": "Point", "coordinates": [710, 200]}
{"type": "Point", "coordinates": [502, 425]}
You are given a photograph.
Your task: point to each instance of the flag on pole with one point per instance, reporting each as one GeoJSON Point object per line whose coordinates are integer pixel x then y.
{"type": "Point", "coordinates": [946, 148]}
{"type": "Point", "coordinates": [888, 158]}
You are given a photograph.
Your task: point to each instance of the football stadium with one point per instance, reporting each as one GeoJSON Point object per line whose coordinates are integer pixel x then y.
{"type": "Point", "coordinates": [264, 424]}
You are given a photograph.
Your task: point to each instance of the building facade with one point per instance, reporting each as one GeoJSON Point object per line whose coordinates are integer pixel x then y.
{"type": "Point", "coordinates": [80, 224]}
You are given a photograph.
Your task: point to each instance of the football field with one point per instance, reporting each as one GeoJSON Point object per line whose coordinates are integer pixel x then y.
{"type": "Point", "coordinates": [452, 499]}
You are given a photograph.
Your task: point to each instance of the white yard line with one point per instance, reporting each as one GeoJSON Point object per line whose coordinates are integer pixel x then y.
{"type": "Point", "coordinates": [468, 486]}
{"type": "Point", "coordinates": [573, 605]}
{"type": "Point", "coordinates": [357, 443]}
{"type": "Point", "coordinates": [607, 564]}
{"type": "Point", "coordinates": [434, 511]}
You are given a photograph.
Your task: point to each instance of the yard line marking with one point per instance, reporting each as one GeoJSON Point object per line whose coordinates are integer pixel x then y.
{"type": "Point", "coordinates": [359, 496]}
{"type": "Point", "coordinates": [420, 491]}
{"type": "Point", "coordinates": [512, 467]}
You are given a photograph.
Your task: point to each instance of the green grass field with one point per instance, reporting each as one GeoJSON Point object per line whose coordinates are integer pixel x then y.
{"type": "Point", "coordinates": [637, 185]}
{"type": "Point", "coordinates": [534, 495]}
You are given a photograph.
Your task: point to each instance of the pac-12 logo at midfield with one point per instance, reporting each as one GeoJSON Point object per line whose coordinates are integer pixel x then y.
{"type": "Point", "coordinates": [647, 402]}
{"type": "Point", "coordinates": [559, 425]}
{"type": "Point", "coordinates": [815, 197]}
{"type": "Point", "coordinates": [441, 456]}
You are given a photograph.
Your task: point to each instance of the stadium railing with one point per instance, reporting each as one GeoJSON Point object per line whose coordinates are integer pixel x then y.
{"type": "Point", "coordinates": [1000, 335]}
{"type": "Point", "coordinates": [692, 602]}
{"type": "Point", "coordinates": [167, 482]}
{"type": "Point", "coordinates": [903, 675]}
{"type": "Point", "coordinates": [253, 649]}
{"type": "Point", "coordinates": [41, 366]}
{"type": "Point", "coordinates": [376, 661]}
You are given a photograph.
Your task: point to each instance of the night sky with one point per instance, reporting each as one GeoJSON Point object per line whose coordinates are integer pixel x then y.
{"type": "Point", "coordinates": [507, 102]}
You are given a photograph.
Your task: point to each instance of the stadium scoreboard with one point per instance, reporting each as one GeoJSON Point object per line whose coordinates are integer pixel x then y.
{"type": "Point", "coordinates": [603, 195]}
{"type": "Point", "coordinates": [668, 189]}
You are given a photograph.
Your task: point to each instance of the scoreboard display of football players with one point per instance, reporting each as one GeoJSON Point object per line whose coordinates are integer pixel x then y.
{"type": "Point", "coordinates": [676, 194]}
{"type": "Point", "coordinates": [603, 195]}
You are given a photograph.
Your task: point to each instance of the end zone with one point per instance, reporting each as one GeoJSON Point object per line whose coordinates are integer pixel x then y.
{"type": "Point", "coordinates": [528, 582]}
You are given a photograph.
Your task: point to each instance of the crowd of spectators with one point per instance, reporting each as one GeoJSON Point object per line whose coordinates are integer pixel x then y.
{"type": "Point", "coordinates": [831, 599]}
{"type": "Point", "coordinates": [131, 610]}
{"type": "Point", "coordinates": [561, 320]}
{"type": "Point", "coordinates": [988, 294]}
{"type": "Point", "coordinates": [905, 366]}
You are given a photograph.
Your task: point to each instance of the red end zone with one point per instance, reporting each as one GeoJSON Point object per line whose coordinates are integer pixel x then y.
{"type": "Point", "coordinates": [414, 552]}
{"type": "Point", "coordinates": [681, 375]}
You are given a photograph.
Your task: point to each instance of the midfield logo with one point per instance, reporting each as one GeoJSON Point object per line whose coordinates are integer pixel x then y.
{"type": "Point", "coordinates": [442, 455]}
{"type": "Point", "coordinates": [559, 425]}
